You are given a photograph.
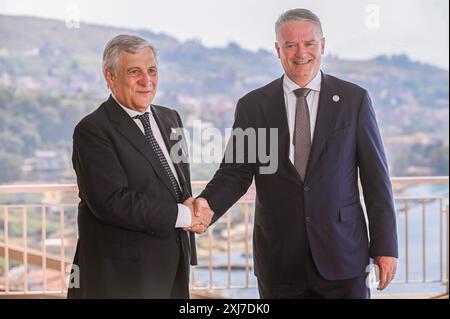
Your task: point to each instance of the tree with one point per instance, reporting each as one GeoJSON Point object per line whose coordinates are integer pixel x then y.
{"type": "Point", "coordinates": [10, 167]}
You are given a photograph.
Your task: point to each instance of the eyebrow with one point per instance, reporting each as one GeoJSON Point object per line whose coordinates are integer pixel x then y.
{"type": "Point", "coordinates": [295, 42]}
{"type": "Point", "coordinates": [132, 68]}
{"type": "Point", "coordinates": [138, 68]}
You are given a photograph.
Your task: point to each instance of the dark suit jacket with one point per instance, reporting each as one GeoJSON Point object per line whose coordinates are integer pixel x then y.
{"type": "Point", "coordinates": [128, 245]}
{"type": "Point", "coordinates": [327, 204]}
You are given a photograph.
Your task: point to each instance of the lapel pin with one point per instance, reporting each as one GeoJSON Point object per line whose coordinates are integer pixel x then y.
{"type": "Point", "coordinates": [336, 98]}
{"type": "Point", "coordinates": [174, 131]}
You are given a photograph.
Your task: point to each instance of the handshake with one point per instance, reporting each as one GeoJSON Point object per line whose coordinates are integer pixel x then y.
{"type": "Point", "coordinates": [201, 214]}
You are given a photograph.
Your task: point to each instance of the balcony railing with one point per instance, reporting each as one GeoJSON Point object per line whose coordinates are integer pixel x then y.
{"type": "Point", "coordinates": [38, 237]}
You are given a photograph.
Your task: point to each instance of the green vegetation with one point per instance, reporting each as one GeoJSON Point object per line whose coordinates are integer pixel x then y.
{"type": "Point", "coordinates": [425, 159]}
{"type": "Point", "coordinates": [50, 77]}
{"type": "Point", "coordinates": [35, 120]}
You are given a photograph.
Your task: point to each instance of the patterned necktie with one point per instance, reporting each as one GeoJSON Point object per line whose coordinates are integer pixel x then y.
{"type": "Point", "coordinates": [144, 118]}
{"type": "Point", "coordinates": [302, 132]}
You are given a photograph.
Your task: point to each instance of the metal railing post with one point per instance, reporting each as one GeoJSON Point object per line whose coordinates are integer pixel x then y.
{"type": "Point", "coordinates": [415, 209]}
{"type": "Point", "coordinates": [6, 258]}
{"type": "Point", "coordinates": [447, 226]}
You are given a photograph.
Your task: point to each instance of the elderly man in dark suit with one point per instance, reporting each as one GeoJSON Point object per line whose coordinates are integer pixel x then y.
{"type": "Point", "coordinates": [135, 200]}
{"type": "Point", "coordinates": [310, 233]}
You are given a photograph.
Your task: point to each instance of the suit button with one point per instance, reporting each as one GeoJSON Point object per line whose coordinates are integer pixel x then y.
{"type": "Point", "coordinates": [306, 189]}
{"type": "Point", "coordinates": [308, 219]}
{"type": "Point", "coordinates": [178, 239]}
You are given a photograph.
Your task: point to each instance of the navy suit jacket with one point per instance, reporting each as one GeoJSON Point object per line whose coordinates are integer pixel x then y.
{"type": "Point", "coordinates": [326, 206]}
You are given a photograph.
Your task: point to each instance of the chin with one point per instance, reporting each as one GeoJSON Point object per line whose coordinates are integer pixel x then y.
{"type": "Point", "coordinates": [143, 103]}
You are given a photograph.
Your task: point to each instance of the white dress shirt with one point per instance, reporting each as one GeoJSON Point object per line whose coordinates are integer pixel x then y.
{"type": "Point", "coordinates": [184, 218]}
{"type": "Point", "coordinates": [290, 101]}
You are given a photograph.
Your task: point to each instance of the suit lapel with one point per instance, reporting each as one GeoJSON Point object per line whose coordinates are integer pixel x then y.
{"type": "Point", "coordinates": [165, 126]}
{"type": "Point", "coordinates": [274, 110]}
{"type": "Point", "coordinates": [133, 134]}
{"type": "Point", "coordinates": [325, 123]}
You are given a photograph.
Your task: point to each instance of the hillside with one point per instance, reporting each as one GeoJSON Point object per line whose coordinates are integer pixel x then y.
{"type": "Point", "coordinates": [54, 74]}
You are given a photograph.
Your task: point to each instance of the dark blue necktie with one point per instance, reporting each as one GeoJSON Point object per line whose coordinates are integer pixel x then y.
{"type": "Point", "coordinates": [155, 146]}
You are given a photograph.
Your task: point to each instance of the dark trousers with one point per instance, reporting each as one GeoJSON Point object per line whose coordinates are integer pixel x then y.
{"type": "Point", "coordinates": [180, 288]}
{"type": "Point", "coordinates": [316, 287]}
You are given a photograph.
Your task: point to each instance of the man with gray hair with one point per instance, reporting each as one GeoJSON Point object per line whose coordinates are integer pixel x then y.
{"type": "Point", "coordinates": [310, 237]}
{"type": "Point", "coordinates": [135, 201]}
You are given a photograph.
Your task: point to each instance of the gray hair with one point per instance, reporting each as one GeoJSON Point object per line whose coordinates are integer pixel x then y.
{"type": "Point", "coordinates": [297, 15]}
{"type": "Point", "coordinates": [123, 42]}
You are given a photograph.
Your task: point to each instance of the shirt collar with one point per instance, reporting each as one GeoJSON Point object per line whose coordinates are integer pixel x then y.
{"type": "Point", "coordinates": [130, 112]}
{"type": "Point", "coordinates": [314, 84]}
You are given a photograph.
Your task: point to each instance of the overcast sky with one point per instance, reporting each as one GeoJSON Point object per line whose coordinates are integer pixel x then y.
{"type": "Point", "coordinates": [356, 29]}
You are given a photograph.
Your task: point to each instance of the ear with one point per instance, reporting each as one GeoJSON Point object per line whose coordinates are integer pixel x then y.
{"type": "Point", "coordinates": [277, 47]}
{"type": "Point", "coordinates": [323, 45]}
{"type": "Point", "coordinates": [109, 77]}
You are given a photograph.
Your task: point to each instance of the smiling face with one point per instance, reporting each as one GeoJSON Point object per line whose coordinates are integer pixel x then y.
{"type": "Point", "coordinates": [135, 79]}
{"type": "Point", "coordinates": [300, 46]}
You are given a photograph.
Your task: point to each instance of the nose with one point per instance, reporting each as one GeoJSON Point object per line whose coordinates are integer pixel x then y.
{"type": "Point", "coordinates": [145, 79]}
{"type": "Point", "coordinates": [300, 50]}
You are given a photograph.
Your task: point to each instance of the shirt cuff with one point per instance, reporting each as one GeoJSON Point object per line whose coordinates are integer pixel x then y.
{"type": "Point", "coordinates": [184, 218]}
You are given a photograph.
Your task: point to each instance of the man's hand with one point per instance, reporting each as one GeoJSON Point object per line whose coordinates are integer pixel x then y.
{"type": "Point", "coordinates": [201, 215]}
{"type": "Point", "coordinates": [189, 203]}
{"type": "Point", "coordinates": [202, 211]}
{"type": "Point", "coordinates": [388, 267]}
{"type": "Point", "coordinates": [201, 207]}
